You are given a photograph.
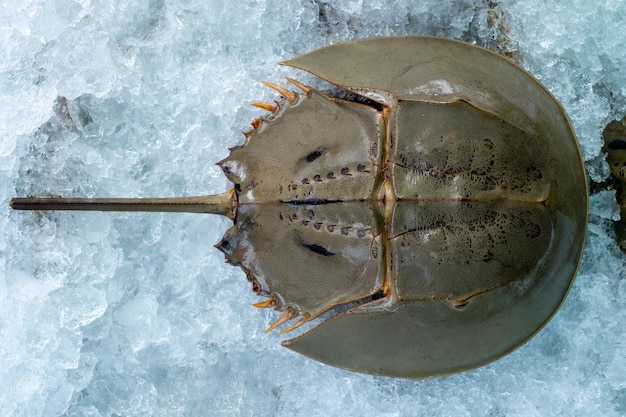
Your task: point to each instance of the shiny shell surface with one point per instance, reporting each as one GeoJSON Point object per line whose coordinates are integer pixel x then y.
{"type": "Point", "coordinates": [434, 227]}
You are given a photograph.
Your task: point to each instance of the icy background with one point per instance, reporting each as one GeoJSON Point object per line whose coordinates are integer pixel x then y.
{"type": "Point", "coordinates": [137, 314]}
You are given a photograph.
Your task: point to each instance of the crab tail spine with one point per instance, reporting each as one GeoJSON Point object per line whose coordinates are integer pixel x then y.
{"type": "Point", "coordinates": [224, 204]}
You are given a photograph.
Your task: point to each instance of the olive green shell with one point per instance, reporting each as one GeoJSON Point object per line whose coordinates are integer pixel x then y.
{"type": "Point", "coordinates": [439, 226]}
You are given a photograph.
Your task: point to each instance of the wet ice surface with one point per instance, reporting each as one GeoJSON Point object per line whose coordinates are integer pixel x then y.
{"type": "Point", "coordinates": [128, 314]}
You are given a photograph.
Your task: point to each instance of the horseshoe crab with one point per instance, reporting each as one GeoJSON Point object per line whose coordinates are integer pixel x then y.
{"type": "Point", "coordinates": [432, 227]}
